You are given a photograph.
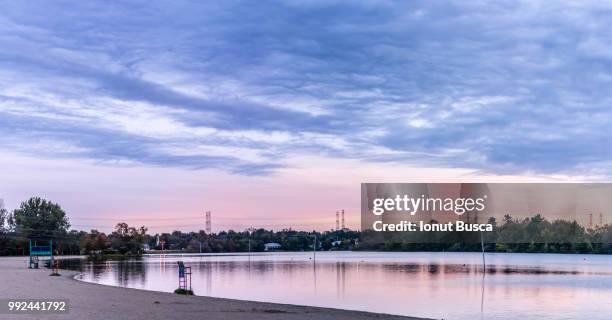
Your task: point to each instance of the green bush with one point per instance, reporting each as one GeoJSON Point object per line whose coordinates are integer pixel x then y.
{"type": "Point", "coordinates": [184, 292]}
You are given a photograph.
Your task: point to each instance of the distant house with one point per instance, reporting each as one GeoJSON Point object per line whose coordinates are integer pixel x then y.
{"type": "Point", "coordinates": [336, 243]}
{"type": "Point", "coordinates": [271, 246]}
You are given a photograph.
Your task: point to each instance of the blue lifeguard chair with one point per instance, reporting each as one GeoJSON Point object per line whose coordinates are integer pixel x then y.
{"type": "Point", "coordinates": [184, 276]}
{"type": "Point", "coordinates": [37, 251]}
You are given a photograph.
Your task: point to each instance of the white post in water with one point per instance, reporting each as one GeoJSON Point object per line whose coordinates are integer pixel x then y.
{"type": "Point", "coordinates": [484, 273]}
{"type": "Point", "coordinates": [249, 252]}
{"type": "Point", "coordinates": [250, 232]}
{"type": "Point", "coordinates": [484, 265]}
{"type": "Point", "coordinates": [314, 249]}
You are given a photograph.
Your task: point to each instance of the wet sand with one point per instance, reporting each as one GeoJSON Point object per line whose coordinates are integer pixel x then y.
{"type": "Point", "coordinates": [94, 301]}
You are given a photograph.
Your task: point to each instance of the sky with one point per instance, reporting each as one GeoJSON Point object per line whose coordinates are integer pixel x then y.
{"type": "Point", "coordinates": [271, 114]}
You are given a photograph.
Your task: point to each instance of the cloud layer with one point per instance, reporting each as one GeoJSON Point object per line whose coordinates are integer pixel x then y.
{"type": "Point", "coordinates": [244, 86]}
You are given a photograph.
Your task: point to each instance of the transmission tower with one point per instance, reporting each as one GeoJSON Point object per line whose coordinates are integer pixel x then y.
{"type": "Point", "coordinates": [208, 223]}
{"type": "Point", "coordinates": [342, 219]}
{"type": "Point", "coordinates": [337, 220]}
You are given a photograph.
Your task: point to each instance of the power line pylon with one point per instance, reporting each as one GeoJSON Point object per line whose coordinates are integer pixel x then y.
{"type": "Point", "coordinates": [337, 220]}
{"type": "Point", "coordinates": [208, 223]}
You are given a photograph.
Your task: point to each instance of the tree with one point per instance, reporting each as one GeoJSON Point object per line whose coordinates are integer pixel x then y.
{"type": "Point", "coordinates": [94, 241]}
{"type": "Point", "coordinates": [3, 219]}
{"type": "Point", "coordinates": [128, 239]}
{"type": "Point", "coordinates": [508, 219]}
{"type": "Point", "coordinates": [38, 217]}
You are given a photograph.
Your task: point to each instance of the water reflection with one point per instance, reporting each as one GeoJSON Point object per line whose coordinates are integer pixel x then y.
{"type": "Point", "coordinates": [449, 286]}
{"type": "Point", "coordinates": [340, 279]}
{"type": "Point", "coordinates": [129, 272]}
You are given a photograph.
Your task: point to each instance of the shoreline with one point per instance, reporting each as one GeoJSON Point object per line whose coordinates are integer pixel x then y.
{"type": "Point", "coordinates": [93, 301]}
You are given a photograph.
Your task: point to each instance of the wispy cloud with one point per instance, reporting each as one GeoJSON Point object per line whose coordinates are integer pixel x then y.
{"type": "Point", "coordinates": [243, 86]}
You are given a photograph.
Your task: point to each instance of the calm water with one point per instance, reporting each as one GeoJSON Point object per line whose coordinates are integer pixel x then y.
{"type": "Point", "coordinates": [434, 285]}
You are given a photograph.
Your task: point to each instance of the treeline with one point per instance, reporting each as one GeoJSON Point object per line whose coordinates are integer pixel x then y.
{"type": "Point", "coordinates": [235, 241]}
{"type": "Point", "coordinates": [42, 220]}
{"type": "Point", "coordinates": [531, 235]}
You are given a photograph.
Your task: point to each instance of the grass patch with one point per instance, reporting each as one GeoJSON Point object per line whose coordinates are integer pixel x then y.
{"type": "Point", "coordinates": [55, 274]}
{"type": "Point", "coordinates": [184, 292]}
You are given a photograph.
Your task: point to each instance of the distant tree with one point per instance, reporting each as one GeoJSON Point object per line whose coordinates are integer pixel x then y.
{"type": "Point", "coordinates": [94, 241]}
{"type": "Point", "coordinates": [10, 223]}
{"type": "Point", "coordinates": [38, 217]}
{"type": "Point", "coordinates": [508, 219]}
{"type": "Point", "coordinates": [4, 239]}
{"type": "Point", "coordinates": [126, 239]}
{"type": "Point", "coordinates": [3, 219]}
{"type": "Point", "coordinates": [536, 228]}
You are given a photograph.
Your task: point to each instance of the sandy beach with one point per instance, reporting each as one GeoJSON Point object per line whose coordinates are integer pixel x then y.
{"type": "Point", "coordinates": [93, 301]}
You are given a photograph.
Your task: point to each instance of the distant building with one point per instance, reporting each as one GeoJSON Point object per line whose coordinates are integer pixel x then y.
{"type": "Point", "coordinates": [336, 243]}
{"type": "Point", "coordinates": [271, 246]}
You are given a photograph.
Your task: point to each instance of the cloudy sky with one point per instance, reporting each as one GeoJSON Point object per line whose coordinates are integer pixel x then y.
{"type": "Point", "coordinates": [272, 113]}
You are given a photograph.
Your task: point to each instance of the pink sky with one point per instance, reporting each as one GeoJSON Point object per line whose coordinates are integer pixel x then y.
{"type": "Point", "coordinates": [303, 196]}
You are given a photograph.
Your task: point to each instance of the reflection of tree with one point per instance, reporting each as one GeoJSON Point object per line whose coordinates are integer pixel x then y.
{"type": "Point", "coordinates": [130, 271]}
{"type": "Point", "coordinates": [98, 268]}
{"type": "Point", "coordinates": [340, 278]}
